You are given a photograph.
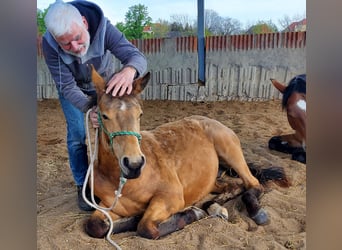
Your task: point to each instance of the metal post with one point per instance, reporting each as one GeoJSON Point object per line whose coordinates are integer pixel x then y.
{"type": "Point", "coordinates": [201, 42]}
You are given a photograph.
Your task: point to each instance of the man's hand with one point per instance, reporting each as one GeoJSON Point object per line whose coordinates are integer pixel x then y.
{"type": "Point", "coordinates": [93, 117]}
{"type": "Point", "coordinates": [121, 83]}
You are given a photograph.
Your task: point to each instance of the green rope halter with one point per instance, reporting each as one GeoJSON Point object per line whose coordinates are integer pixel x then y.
{"type": "Point", "coordinates": [112, 135]}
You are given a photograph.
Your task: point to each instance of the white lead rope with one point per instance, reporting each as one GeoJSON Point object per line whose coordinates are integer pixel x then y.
{"type": "Point", "coordinates": [90, 173]}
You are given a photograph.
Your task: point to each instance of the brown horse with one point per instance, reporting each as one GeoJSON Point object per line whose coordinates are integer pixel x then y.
{"type": "Point", "coordinates": [168, 169]}
{"type": "Point", "coordinates": [294, 101]}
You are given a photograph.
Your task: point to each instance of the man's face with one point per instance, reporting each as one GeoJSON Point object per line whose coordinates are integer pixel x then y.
{"type": "Point", "coordinates": [76, 42]}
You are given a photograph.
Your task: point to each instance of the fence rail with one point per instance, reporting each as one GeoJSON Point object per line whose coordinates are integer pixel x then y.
{"type": "Point", "coordinates": [218, 43]}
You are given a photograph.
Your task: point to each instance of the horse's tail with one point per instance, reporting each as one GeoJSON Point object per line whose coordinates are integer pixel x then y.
{"type": "Point", "coordinates": [273, 173]}
{"type": "Point", "coordinates": [264, 175]}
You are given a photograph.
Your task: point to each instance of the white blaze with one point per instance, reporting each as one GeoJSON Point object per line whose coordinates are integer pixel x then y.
{"type": "Point", "coordinates": [302, 104]}
{"type": "Point", "coordinates": [123, 106]}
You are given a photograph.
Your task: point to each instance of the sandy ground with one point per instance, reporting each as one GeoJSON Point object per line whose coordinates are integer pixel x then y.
{"type": "Point", "coordinates": [60, 222]}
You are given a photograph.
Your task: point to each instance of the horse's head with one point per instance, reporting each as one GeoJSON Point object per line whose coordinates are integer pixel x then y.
{"type": "Point", "coordinates": [296, 85]}
{"type": "Point", "coordinates": [119, 119]}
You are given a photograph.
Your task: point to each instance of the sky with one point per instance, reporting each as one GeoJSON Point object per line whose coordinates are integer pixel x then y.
{"type": "Point", "coordinates": [248, 12]}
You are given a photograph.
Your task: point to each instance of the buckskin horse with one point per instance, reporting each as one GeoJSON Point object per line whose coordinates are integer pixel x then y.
{"type": "Point", "coordinates": [167, 169]}
{"type": "Point", "coordinates": [294, 101]}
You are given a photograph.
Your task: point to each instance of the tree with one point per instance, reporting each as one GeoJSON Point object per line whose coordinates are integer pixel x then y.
{"type": "Point", "coordinates": [135, 20]}
{"type": "Point", "coordinates": [183, 20]}
{"type": "Point", "coordinates": [286, 20]}
{"type": "Point", "coordinates": [263, 27]}
{"type": "Point", "coordinates": [217, 25]}
{"type": "Point", "coordinates": [120, 26]}
{"type": "Point", "coordinates": [181, 25]}
{"type": "Point", "coordinates": [160, 28]}
{"type": "Point", "coordinates": [212, 21]}
{"type": "Point", "coordinates": [230, 26]}
{"type": "Point", "coordinates": [41, 28]}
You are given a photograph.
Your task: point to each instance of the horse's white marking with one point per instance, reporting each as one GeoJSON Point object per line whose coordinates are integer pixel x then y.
{"type": "Point", "coordinates": [218, 210]}
{"type": "Point", "coordinates": [302, 104]}
{"type": "Point", "coordinates": [123, 106]}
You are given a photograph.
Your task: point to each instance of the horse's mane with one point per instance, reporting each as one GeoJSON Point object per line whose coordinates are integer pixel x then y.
{"type": "Point", "coordinates": [297, 84]}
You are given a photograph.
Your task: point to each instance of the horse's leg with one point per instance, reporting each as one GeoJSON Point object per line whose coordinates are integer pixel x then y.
{"type": "Point", "coordinates": [228, 147]}
{"type": "Point", "coordinates": [179, 220]}
{"type": "Point", "coordinates": [162, 216]}
{"type": "Point", "coordinates": [254, 188]}
{"type": "Point", "coordinates": [297, 120]}
{"type": "Point", "coordinates": [299, 153]}
{"type": "Point", "coordinates": [96, 226]}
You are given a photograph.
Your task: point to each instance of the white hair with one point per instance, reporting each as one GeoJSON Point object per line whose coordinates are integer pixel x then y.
{"type": "Point", "coordinates": [60, 17]}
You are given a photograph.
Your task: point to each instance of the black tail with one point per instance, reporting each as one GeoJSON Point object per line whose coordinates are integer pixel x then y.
{"type": "Point", "coordinates": [273, 173]}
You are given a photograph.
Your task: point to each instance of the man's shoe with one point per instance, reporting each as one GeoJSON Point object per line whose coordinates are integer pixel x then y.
{"type": "Point", "coordinates": [82, 204]}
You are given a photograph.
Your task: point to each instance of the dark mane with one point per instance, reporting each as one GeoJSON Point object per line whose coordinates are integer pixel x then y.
{"type": "Point", "coordinates": [297, 84]}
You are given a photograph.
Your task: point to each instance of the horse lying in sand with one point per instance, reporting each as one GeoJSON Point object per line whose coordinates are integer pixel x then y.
{"type": "Point", "coordinates": [168, 169]}
{"type": "Point", "coordinates": [294, 101]}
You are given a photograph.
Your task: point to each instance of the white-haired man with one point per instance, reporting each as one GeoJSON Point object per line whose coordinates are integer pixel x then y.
{"type": "Point", "coordinates": [78, 34]}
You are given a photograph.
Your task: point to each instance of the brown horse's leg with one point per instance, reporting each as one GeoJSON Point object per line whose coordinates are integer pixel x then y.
{"type": "Point", "coordinates": [254, 190]}
{"type": "Point", "coordinates": [255, 211]}
{"type": "Point", "coordinates": [162, 216]}
{"type": "Point", "coordinates": [229, 149]}
{"type": "Point", "coordinates": [96, 226]}
{"type": "Point", "coordinates": [180, 220]}
{"type": "Point", "coordinates": [153, 229]}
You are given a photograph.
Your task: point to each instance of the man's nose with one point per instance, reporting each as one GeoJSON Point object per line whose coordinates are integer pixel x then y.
{"type": "Point", "coordinates": [74, 46]}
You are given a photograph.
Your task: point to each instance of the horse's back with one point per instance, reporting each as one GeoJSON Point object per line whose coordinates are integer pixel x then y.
{"type": "Point", "coordinates": [184, 138]}
{"type": "Point", "coordinates": [196, 138]}
{"type": "Point", "coordinates": [195, 126]}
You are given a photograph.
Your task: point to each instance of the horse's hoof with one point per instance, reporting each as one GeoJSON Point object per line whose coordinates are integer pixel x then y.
{"type": "Point", "coordinates": [261, 218]}
{"type": "Point", "coordinates": [299, 155]}
{"type": "Point", "coordinates": [96, 228]}
{"type": "Point", "coordinates": [275, 143]}
{"type": "Point", "coordinates": [198, 213]}
{"type": "Point", "coordinates": [216, 210]}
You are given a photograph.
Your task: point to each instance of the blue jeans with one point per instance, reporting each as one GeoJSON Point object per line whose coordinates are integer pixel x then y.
{"type": "Point", "coordinates": [76, 144]}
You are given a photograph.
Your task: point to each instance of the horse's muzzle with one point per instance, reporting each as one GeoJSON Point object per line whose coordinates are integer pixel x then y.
{"type": "Point", "coordinates": [131, 168]}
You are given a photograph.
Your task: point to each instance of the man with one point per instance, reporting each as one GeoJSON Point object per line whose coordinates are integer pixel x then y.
{"type": "Point", "coordinates": [78, 35]}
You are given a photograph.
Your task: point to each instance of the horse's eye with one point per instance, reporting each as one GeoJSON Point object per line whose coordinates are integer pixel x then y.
{"type": "Point", "coordinates": [105, 117]}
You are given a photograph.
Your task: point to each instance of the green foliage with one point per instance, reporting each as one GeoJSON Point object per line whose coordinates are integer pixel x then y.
{"type": "Point", "coordinates": [41, 28]}
{"type": "Point", "coordinates": [135, 21]}
{"type": "Point", "coordinates": [263, 27]}
{"type": "Point", "coordinates": [121, 26]}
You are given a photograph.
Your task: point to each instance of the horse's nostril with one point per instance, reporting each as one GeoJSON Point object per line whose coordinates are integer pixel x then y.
{"type": "Point", "coordinates": [126, 162]}
{"type": "Point", "coordinates": [133, 164]}
{"type": "Point", "coordinates": [142, 160]}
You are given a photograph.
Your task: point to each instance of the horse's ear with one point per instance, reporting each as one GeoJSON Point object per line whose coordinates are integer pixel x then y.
{"type": "Point", "coordinates": [97, 80]}
{"type": "Point", "coordinates": [279, 86]}
{"type": "Point", "coordinates": [140, 83]}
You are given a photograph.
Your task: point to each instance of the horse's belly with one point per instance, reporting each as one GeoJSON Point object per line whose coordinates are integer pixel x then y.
{"type": "Point", "coordinates": [184, 147]}
{"type": "Point", "coordinates": [198, 175]}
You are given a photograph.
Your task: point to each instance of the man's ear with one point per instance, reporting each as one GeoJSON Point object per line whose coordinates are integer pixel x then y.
{"type": "Point", "coordinates": [140, 83]}
{"type": "Point", "coordinates": [85, 22]}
